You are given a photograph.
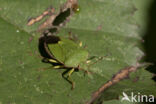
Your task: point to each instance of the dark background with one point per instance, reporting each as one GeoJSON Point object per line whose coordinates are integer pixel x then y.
{"type": "Point", "coordinates": [150, 39]}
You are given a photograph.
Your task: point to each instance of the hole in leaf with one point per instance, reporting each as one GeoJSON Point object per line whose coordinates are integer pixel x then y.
{"type": "Point", "coordinates": [61, 17]}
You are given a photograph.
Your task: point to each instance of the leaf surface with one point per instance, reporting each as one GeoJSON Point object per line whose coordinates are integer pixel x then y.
{"type": "Point", "coordinates": [107, 28]}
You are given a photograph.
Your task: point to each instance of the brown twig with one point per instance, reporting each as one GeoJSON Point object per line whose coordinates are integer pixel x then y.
{"type": "Point", "coordinates": [70, 5]}
{"type": "Point", "coordinates": [122, 74]}
{"type": "Point", "coordinates": [40, 17]}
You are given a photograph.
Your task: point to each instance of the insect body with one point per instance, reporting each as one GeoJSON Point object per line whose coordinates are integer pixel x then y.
{"type": "Point", "coordinates": [67, 54]}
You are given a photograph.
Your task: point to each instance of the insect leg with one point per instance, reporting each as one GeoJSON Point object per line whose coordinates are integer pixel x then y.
{"type": "Point", "coordinates": [68, 78]}
{"type": "Point", "coordinates": [97, 59]}
{"type": "Point", "coordinates": [90, 63]}
{"type": "Point", "coordinates": [49, 60]}
{"type": "Point", "coordinates": [53, 61]}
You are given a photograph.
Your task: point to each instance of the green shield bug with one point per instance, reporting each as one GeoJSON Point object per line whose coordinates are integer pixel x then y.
{"type": "Point", "coordinates": [65, 53]}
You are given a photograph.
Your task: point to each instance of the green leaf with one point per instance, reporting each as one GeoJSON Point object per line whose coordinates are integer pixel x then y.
{"type": "Point", "coordinates": [107, 28]}
{"type": "Point", "coordinates": [118, 101]}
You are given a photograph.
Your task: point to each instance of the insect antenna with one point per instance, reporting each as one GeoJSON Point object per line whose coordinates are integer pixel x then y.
{"type": "Point", "coordinates": [97, 60]}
